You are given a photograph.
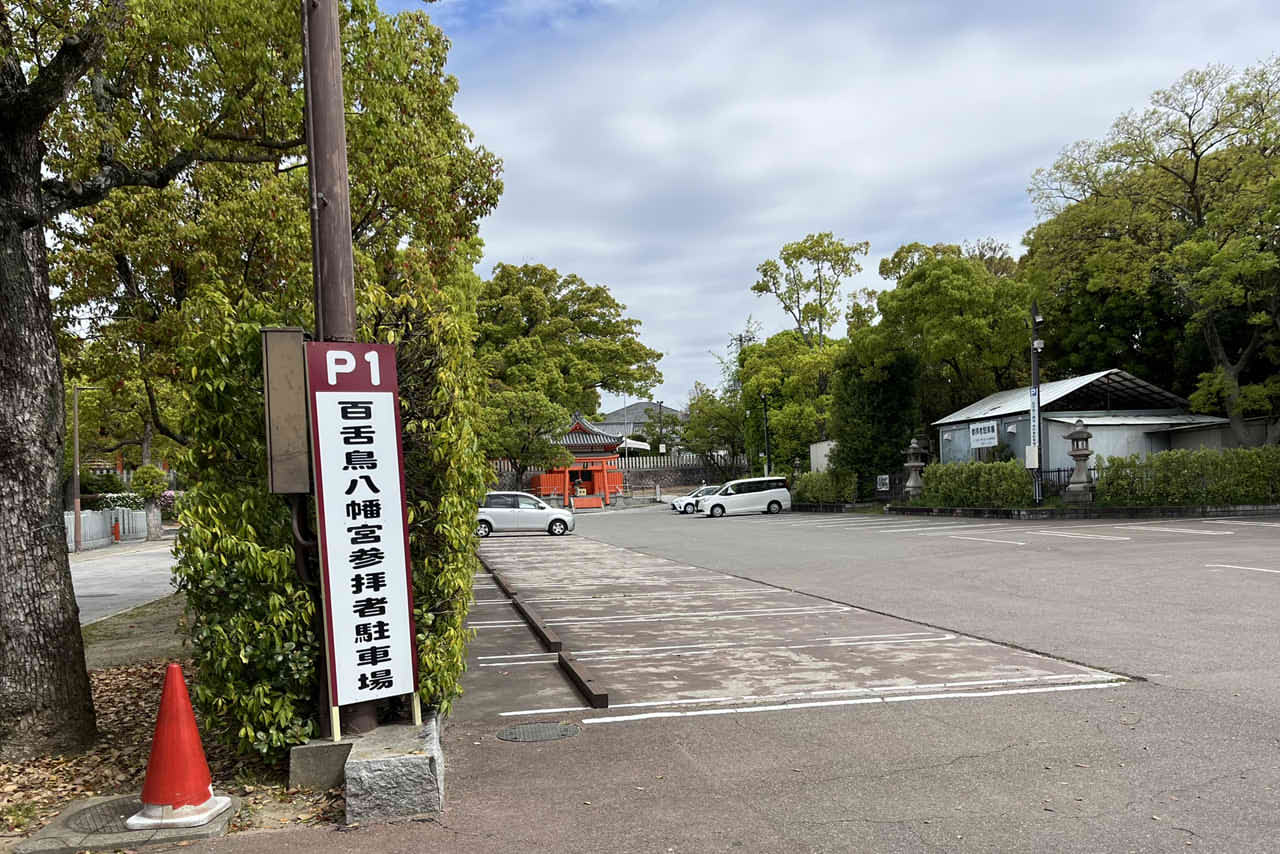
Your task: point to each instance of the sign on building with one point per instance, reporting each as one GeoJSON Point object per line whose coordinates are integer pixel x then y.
{"type": "Point", "coordinates": [984, 434]}
{"type": "Point", "coordinates": [364, 538]}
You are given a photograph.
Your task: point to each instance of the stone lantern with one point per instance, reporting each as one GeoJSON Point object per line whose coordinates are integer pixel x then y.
{"type": "Point", "coordinates": [1080, 488]}
{"type": "Point", "coordinates": [915, 462]}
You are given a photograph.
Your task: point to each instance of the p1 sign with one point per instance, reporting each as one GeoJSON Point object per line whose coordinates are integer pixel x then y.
{"type": "Point", "coordinates": [364, 535]}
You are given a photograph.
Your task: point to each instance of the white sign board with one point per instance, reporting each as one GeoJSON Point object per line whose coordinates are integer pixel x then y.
{"type": "Point", "coordinates": [1033, 456]}
{"type": "Point", "coordinates": [364, 541]}
{"type": "Point", "coordinates": [984, 434]}
{"type": "Point", "coordinates": [882, 483]}
{"type": "Point", "coordinates": [1034, 438]}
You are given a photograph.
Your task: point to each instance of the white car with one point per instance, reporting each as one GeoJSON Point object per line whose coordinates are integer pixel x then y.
{"type": "Point", "coordinates": [520, 511]}
{"type": "Point", "coordinates": [686, 503]}
{"type": "Point", "coordinates": [749, 495]}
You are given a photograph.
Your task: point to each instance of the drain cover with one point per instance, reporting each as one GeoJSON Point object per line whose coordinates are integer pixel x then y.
{"type": "Point", "coordinates": [538, 731]}
{"type": "Point", "coordinates": [106, 817]}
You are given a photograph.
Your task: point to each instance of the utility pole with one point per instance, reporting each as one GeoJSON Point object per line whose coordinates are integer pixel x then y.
{"type": "Point", "coordinates": [1034, 455]}
{"type": "Point", "coordinates": [331, 259]}
{"type": "Point", "coordinates": [661, 431]}
{"type": "Point", "coordinates": [768, 456]}
{"type": "Point", "coordinates": [75, 462]}
{"type": "Point", "coordinates": [332, 266]}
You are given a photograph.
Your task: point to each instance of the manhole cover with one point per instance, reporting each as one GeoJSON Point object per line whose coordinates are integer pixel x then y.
{"type": "Point", "coordinates": [106, 817]}
{"type": "Point", "coordinates": [539, 731]}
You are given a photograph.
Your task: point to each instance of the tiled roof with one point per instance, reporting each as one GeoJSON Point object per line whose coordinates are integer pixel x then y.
{"type": "Point", "coordinates": [584, 435]}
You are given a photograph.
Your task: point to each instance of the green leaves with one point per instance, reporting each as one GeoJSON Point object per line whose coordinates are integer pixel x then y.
{"type": "Point", "coordinates": [807, 283]}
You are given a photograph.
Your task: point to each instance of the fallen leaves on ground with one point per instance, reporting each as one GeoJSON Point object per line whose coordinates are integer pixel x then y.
{"type": "Point", "coordinates": [126, 700]}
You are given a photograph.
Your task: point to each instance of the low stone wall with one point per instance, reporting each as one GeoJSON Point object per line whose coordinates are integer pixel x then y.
{"type": "Point", "coordinates": [1085, 512]}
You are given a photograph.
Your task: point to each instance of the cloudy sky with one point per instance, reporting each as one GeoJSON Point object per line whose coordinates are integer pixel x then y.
{"type": "Point", "coordinates": [666, 148]}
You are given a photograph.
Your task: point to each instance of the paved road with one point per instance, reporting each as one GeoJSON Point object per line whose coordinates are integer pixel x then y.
{"type": "Point", "coordinates": [116, 578]}
{"type": "Point", "coordinates": [1186, 756]}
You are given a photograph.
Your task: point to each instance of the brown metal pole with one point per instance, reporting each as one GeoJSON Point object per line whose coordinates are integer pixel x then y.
{"type": "Point", "coordinates": [75, 463]}
{"type": "Point", "coordinates": [332, 267]}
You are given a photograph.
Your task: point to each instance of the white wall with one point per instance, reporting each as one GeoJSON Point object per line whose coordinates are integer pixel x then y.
{"type": "Point", "coordinates": [820, 455]}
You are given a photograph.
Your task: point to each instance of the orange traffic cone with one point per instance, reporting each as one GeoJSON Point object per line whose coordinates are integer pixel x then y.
{"type": "Point", "coordinates": [178, 791]}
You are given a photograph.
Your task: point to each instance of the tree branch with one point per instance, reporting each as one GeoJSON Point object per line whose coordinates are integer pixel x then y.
{"type": "Point", "coordinates": [63, 196]}
{"type": "Point", "coordinates": [29, 106]}
{"type": "Point", "coordinates": [161, 426]}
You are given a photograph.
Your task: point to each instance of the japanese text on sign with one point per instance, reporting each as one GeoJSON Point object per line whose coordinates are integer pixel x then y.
{"type": "Point", "coordinates": [359, 492]}
{"type": "Point", "coordinates": [984, 434]}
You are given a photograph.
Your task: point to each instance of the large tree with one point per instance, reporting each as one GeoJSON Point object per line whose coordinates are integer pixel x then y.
{"type": "Point", "coordinates": [716, 428]}
{"type": "Point", "coordinates": [1177, 204]}
{"type": "Point", "coordinates": [966, 324]}
{"type": "Point", "coordinates": [549, 344]}
{"type": "Point", "coordinates": [557, 334]}
{"type": "Point", "coordinates": [109, 112]}
{"type": "Point", "coordinates": [875, 411]}
{"type": "Point", "coordinates": [807, 282]}
{"type": "Point", "coordinates": [93, 97]}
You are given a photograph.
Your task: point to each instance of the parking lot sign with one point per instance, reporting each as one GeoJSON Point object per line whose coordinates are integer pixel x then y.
{"type": "Point", "coordinates": [363, 532]}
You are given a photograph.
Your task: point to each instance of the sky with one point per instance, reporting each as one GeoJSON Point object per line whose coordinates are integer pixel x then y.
{"type": "Point", "coordinates": [665, 149]}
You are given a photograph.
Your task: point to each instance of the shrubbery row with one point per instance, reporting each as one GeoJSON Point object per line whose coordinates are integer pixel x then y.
{"type": "Point", "coordinates": [1005, 484]}
{"type": "Point", "coordinates": [826, 487]}
{"type": "Point", "coordinates": [1203, 477]}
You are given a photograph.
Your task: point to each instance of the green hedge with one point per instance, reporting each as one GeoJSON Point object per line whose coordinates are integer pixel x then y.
{"type": "Point", "coordinates": [1005, 484]}
{"type": "Point", "coordinates": [1204, 477]}
{"type": "Point", "coordinates": [826, 487]}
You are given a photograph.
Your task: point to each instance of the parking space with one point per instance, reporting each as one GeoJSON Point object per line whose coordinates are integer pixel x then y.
{"type": "Point", "coordinates": [670, 639]}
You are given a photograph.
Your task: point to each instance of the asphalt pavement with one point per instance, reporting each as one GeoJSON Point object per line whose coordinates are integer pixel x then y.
{"type": "Point", "coordinates": [1183, 753]}
{"type": "Point", "coordinates": [116, 578]}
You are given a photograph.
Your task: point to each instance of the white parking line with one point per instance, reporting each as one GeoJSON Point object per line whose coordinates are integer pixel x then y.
{"type": "Point", "coordinates": [1175, 530]}
{"type": "Point", "coordinates": [873, 690]}
{"type": "Point", "coordinates": [1232, 566]}
{"type": "Point", "coordinates": [790, 707]}
{"type": "Point", "coordinates": [985, 540]}
{"type": "Point", "coordinates": [1079, 536]}
{"type": "Point", "coordinates": [951, 527]}
{"type": "Point", "coordinates": [689, 653]}
{"type": "Point", "coordinates": [1241, 522]}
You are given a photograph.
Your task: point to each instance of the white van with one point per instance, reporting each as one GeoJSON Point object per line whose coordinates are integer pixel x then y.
{"type": "Point", "coordinates": [749, 495]}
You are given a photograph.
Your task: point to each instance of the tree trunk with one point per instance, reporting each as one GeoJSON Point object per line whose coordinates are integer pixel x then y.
{"type": "Point", "coordinates": [45, 704]}
{"type": "Point", "coordinates": [155, 527]}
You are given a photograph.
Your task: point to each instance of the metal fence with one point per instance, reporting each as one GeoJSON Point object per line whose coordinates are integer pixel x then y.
{"type": "Point", "coordinates": [96, 526]}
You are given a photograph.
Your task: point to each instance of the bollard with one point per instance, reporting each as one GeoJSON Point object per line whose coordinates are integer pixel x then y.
{"type": "Point", "coordinates": [115, 531]}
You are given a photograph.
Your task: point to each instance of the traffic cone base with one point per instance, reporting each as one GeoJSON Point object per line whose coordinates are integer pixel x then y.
{"type": "Point", "coordinates": [153, 816]}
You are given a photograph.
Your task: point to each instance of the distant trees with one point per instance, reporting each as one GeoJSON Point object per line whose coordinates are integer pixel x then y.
{"type": "Point", "coordinates": [549, 344]}
{"type": "Point", "coordinates": [1159, 245]}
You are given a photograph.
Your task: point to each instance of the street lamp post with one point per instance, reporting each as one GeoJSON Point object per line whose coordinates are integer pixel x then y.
{"type": "Point", "coordinates": [768, 455]}
{"type": "Point", "coordinates": [1034, 455]}
{"type": "Point", "coordinates": [75, 462]}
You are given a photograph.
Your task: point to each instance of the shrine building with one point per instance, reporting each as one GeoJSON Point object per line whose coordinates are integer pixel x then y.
{"type": "Point", "coordinates": [593, 479]}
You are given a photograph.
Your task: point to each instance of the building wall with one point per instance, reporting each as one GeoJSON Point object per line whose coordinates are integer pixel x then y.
{"type": "Point", "coordinates": [820, 455]}
{"type": "Point", "coordinates": [1217, 436]}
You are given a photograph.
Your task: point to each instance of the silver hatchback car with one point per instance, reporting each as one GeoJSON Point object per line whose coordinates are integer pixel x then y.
{"type": "Point", "coordinates": [520, 511]}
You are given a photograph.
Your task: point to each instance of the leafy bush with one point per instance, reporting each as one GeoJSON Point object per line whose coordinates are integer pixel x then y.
{"type": "Point", "coordinates": [149, 482]}
{"type": "Point", "coordinates": [169, 503]}
{"type": "Point", "coordinates": [1203, 477]}
{"type": "Point", "coordinates": [106, 483]}
{"type": "Point", "coordinates": [249, 615]}
{"type": "Point", "coordinates": [103, 501]}
{"type": "Point", "coordinates": [826, 487]}
{"type": "Point", "coordinates": [1006, 484]}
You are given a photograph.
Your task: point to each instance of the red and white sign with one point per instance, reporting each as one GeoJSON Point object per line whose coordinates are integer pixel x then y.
{"type": "Point", "coordinates": [364, 534]}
